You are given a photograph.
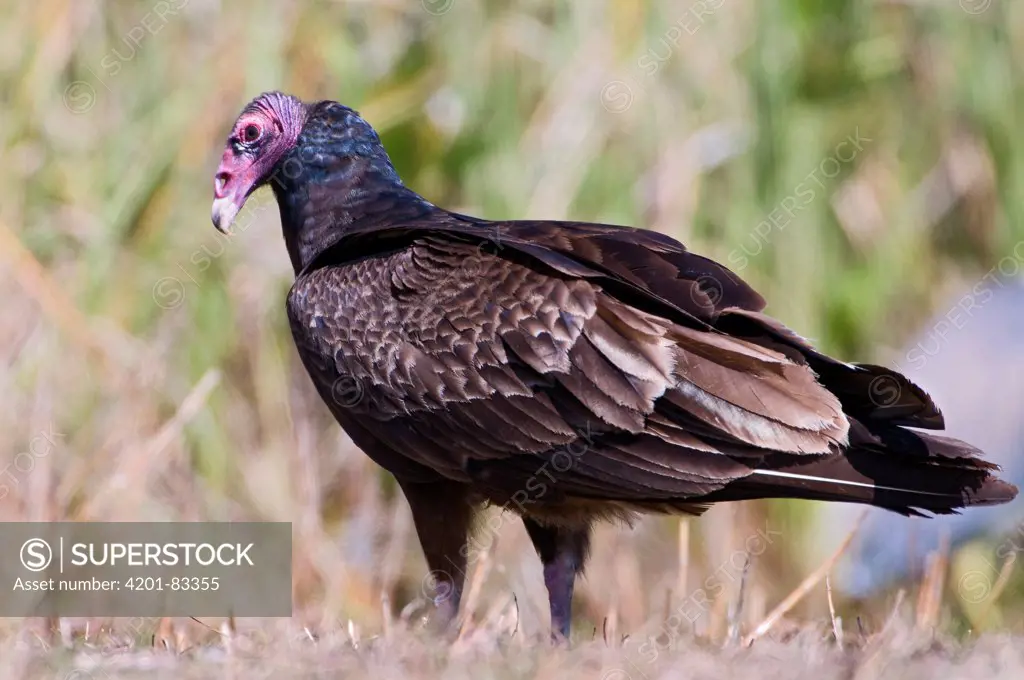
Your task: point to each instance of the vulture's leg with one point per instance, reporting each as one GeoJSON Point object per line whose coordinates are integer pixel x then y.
{"type": "Point", "coordinates": [443, 514]}
{"type": "Point", "coordinates": [563, 552]}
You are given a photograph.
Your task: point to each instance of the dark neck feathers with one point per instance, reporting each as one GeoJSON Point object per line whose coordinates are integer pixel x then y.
{"type": "Point", "coordinates": [336, 178]}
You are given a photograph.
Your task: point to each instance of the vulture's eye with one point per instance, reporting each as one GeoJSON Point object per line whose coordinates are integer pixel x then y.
{"type": "Point", "coordinates": [250, 133]}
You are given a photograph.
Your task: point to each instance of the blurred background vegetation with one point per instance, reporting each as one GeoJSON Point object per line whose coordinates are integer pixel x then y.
{"type": "Point", "coordinates": [857, 161]}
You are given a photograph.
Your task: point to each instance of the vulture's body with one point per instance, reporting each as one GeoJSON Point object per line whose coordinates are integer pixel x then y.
{"type": "Point", "coordinates": [566, 372]}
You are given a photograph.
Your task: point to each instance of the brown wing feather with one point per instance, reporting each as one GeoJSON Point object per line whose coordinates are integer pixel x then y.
{"type": "Point", "coordinates": [519, 363]}
{"type": "Point", "coordinates": [489, 352]}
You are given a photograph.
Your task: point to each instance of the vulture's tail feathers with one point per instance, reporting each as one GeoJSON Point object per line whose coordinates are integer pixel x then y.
{"type": "Point", "coordinates": [911, 473]}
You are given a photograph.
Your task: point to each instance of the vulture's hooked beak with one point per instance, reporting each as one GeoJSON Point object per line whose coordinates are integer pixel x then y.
{"type": "Point", "coordinates": [223, 214]}
{"type": "Point", "coordinates": [234, 181]}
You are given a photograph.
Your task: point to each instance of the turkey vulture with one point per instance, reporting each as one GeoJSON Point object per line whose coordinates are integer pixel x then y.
{"type": "Point", "coordinates": [563, 371]}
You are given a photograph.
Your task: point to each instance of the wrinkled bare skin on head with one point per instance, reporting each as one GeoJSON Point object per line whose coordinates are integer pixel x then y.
{"type": "Point", "coordinates": [265, 130]}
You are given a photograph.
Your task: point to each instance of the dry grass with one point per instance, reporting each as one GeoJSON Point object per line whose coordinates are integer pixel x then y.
{"type": "Point", "coordinates": [285, 651]}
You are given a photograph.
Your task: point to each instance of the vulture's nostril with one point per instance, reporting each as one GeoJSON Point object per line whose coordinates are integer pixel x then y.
{"type": "Point", "coordinates": [221, 179]}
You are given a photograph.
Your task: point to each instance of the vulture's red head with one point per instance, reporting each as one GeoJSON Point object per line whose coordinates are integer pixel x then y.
{"type": "Point", "coordinates": [265, 131]}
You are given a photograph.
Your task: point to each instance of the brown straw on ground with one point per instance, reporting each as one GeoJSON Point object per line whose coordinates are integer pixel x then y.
{"type": "Point", "coordinates": [805, 587]}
